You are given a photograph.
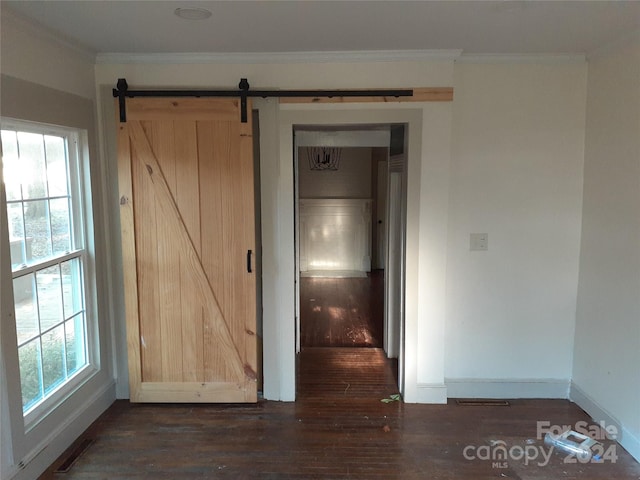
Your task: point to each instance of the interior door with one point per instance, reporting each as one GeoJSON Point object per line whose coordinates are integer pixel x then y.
{"type": "Point", "coordinates": [188, 233]}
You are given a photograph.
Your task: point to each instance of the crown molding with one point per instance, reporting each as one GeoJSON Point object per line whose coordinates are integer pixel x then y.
{"type": "Point", "coordinates": [48, 35]}
{"type": "Point", "coordinates": [534, 58]}
{"type": "Point", "coordinates": [278, 57]}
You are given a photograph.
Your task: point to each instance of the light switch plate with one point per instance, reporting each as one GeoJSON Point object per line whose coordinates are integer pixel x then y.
{"type": "Point", "coordinates": [479, 242]}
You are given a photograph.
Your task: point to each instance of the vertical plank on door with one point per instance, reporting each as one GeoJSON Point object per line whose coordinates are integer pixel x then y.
{"type": "Point", "coordinates": [162, 143]}
{"type": "Point", "coordinates": [213, 254]}
{"type": "Point", "coordinates": [188, 200]}
{"type": "Point", "coordinates": [127, 223]}
{"type": "Point", "coordinates": [148, 285]}
{"type": "Point", "coordinates": [229, 153]}
{"type": "Point", "coordinates": [225, 154]}
{"type": "Point", "coordinates": [247, 309]}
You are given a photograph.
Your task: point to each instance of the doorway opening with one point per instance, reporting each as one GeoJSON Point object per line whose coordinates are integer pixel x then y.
{"type": "Point", "coordinates": [350, 192]}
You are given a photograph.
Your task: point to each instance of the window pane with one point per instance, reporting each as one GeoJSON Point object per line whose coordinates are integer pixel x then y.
{"type": "Point", "coordinates": [56, 165]}
{"type": "Point", "coordinates": [30, 373]}
{"type": "Point", "coordinates": [75, 341]}
{"type": "Point", "coordinates": [10, 165]}
{"type": "Point", "coordinates": [43, 224]}
{"type": "Point", "coordinates": [26, 304]}
{"type": "Point", "coordinates": [36, 223]}
{"type": "Point", "coordinates": [32, 165]}
{"type": "Point", "coordinates": [72, 287]}
{"type": "Point", "coordinates": [60, 222]}
{"type": "Point", "coordinates": [16, 236]}
{"type": "Point", "coordinates": [53, 358]}
{"type": "Point", "coordinates": [49, 297]}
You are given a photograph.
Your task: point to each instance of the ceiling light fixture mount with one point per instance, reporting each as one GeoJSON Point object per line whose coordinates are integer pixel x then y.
{"type": "Point", "coordinates": [192, 13]}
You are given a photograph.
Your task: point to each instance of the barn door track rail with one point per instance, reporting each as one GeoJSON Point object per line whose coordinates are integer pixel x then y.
{"type": "Point", "coordinates": [121, 92]}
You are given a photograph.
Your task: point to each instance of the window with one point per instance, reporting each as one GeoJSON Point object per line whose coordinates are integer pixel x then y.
{"type": "Point", "coordinates": [46, 226]}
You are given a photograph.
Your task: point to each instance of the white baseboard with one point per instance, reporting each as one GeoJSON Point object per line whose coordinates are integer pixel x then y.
{"type": "Point", "coordinates": [431, 393]}
{"type": "Point", "coordinates": [629, 441]}
{"type": "Point", "coordinates": [507, 388]}
{"type": "Point", "coordinates": [52, 446]}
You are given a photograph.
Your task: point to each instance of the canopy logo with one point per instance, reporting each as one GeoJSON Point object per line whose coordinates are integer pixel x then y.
{"type": "Point", "coordinates": [500, 454]}
{"type": "Point", "coordinates": [580, 444]}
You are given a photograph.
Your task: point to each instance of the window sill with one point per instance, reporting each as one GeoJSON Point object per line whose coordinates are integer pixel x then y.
{"type": "Point", "coordinates": [39, 412]}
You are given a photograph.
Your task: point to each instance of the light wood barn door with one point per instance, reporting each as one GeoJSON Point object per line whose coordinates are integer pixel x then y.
{"type": "Point", "coordinates": [187, 217]}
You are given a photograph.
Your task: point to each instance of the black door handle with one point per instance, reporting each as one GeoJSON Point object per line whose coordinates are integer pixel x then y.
{"type": "Point", "coordinates": [249, 261]}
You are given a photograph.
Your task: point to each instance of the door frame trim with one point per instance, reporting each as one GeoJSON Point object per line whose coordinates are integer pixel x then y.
{"type": "Point", "coordinates": [277, 192]}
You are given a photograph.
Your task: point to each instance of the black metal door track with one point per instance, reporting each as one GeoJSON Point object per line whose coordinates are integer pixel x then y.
{"type": "Point", "coordinates": [122, 92]}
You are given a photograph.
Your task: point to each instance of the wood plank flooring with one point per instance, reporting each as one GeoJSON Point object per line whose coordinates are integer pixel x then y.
{"type": "Point", "coordinates": [345, 373]}
{"type": "Point", "coordinates": [342, 312]}
{"type": "Point", "coordinates": [337, 429]}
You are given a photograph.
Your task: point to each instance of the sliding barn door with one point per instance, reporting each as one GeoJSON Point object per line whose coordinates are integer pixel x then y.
{"type": "Point", "coordinates": [188, 232]}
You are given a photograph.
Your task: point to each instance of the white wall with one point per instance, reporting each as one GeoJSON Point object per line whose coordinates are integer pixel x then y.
{"type": "Point", "coordinates": [606, 375]}
{"type": "Point", "coordinates": [31, 53]}
{"type": "Point", "coordinates": [49, 82]}
{"type": "Point", "coordinates": [516, 174]}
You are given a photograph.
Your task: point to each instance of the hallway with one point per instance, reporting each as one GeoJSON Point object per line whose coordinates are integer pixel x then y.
{"type": "Point", "coordinates": [341, 338]}
{"type": "Point", "coordinates": [342, 312]}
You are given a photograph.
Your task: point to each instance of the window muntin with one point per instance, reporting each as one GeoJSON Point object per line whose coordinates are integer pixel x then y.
{"type": "Point", "coordinates": [45, 222]}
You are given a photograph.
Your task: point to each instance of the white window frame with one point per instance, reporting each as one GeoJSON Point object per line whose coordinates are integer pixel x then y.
{"type": "Point", "coordinates": [81, 208]}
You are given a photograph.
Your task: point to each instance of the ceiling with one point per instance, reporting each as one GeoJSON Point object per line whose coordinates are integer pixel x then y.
{"type": "Point", "coordinates": [475, 27]}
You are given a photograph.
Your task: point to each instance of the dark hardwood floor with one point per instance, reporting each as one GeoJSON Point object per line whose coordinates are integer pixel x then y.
{"type": "Point", "coordinates": [345, 373]}
{"type": "Point", "coordinates": [338, 428]}
{"type": "Point", "coordinates": [342, 312]}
